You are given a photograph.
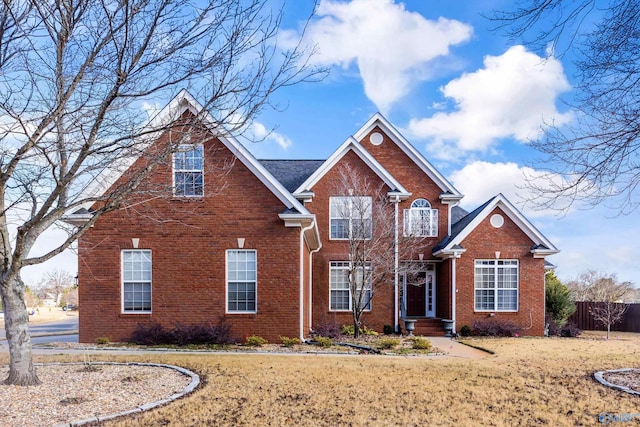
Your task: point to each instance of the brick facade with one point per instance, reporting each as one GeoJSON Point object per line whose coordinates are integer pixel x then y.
{"type": "Point", "coordinates": [189, 237]}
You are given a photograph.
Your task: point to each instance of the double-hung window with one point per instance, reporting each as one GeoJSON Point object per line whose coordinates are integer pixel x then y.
{"type": "Point", "coordinates": [350, 217]}
{"type": "Point", "coordinates": [136, 281]}
{"type": "Point", "coordinates": [242, 281]}
{"type": "Point", "coordinates": [340, 291]}
{"type": "Point", "coordinates": [420, 220]}
{"type": "Point", "coordinates": [188, 170]}
{"type": "Point", "coordinates": [496, 285]}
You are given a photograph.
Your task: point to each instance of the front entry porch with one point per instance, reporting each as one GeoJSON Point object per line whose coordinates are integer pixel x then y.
{"type": "Point", "coordinates": [419, 294]}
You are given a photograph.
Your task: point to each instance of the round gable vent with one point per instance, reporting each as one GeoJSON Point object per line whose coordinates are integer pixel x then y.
{"type": "Point", "coordinates": [497, 220]}
{"type": "Point", "coordinates": [376, 138]}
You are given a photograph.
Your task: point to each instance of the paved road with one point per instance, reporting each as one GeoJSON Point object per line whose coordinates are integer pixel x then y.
{"type": "Point", "coordinates": [67, 326]}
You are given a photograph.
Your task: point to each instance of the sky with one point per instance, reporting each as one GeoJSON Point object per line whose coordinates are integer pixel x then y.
{"type": "Point", "coordinates": [468, 98]}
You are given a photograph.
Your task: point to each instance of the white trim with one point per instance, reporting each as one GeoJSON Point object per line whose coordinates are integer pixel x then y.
{"type": "Point", "coordinates": [380, 121]}
{"type": "Point", "coordinates": [500, 201]}
{"type": "Point", "coordinates": [173, 170]}
{"type": "Point", "coordinates": [226, 282]}
{"type": "Point", "coordinates": [349, 145]}
{"type": "Point", "coordinates": [350, 309]}
{"type": "Point", "coordinates": [181, 103]}
{"type": "Point", "coordinates": [150, 281]}
{"type": "Point", "coordinates": [496, 266]}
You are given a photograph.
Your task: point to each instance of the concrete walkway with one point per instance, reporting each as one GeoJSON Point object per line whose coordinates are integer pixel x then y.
{"type": "Point", "coordinates": [453, 348]}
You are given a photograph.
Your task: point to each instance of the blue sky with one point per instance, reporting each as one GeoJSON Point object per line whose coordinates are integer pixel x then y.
{"type": "Point", "coordinates": [465, 96]}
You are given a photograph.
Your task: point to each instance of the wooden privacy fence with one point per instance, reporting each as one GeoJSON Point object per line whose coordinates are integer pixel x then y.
{"type": "Point", "coordinates": [584, 320]}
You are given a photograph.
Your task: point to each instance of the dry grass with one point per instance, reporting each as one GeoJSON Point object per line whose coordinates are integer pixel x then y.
{"type": "Point", "coordinates": [529, 381]}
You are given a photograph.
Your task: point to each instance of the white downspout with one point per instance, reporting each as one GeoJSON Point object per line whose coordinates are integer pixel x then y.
{"type": "Point", "coordinates": [453, 291]}
{"type": "Point", "coordinates": [311, 284]}
{"type": "Point", "coordinates": [396, 267]}
{"type": "Point", "coordinates": [302, 231]}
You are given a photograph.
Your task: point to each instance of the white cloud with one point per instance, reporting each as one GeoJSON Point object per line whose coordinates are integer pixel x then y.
{"type": "Point", "coordinates": [514, 95]}
{"type": "Point", "coordinates": [391, 46]}
{"type": "Point", "coordinates": [260, 132]}
{"type": "Point", "coordinates": [479, 181]}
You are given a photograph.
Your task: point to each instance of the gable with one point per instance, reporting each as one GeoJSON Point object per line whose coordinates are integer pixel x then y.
{"type": "Point", "coordinates": [453, 244]}
{"type": "Point", "coordinates": [372, 134]}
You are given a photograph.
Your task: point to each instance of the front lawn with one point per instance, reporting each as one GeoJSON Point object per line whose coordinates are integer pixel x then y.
{"type": "Point", "coordinates": [529, 381]}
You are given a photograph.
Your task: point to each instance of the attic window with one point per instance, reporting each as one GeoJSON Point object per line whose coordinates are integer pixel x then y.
{"type": "Point", "coordinates": [188, 171]}
{"type": "Point", "coordinates": [376, 138]}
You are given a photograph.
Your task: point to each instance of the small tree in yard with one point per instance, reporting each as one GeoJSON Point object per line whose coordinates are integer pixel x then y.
{"type": "Point", "coordinates": [79, 80]}
{"type": "Point", "coordinates": [606, 292]}
{"type": "Point", "coordinates": [365, 217]}
{"type": "Point", "coordinates": [557, 299]}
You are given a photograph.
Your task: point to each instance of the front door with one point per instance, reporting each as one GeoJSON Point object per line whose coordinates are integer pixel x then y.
{"type": "Point", "coordinates": [420, 295]}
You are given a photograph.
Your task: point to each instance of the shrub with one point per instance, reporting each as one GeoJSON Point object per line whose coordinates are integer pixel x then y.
{"type": "Point", "coordinates": [289, 342]}
{"type": "Point", "coordinates": [420, 343]}
{"type": "Point", "coordinates": [327, 327]}
{"type": "Point", "coordinates": [324, 342]}
{"type": "Point", "coordinates": [388, 330]}
{"type": "Point", "coordinates": [349, 330]}
{"type": "Point", "coordinates": [255, 341]}
{"type": "Point", "coordinates": [570, 330]}
{"type": "Point", "coordinates": [557, 301]}
{"type": "Point", "coordinates": [495, 328]}
{"type": "Point", "coordinates": [465, 331]}
{"type": "Point", "coordinates": [155, 334]}
{"type": "Point", "coordinates": [102, 340]}
{"type": "Point", "coordinates": [387, 343]}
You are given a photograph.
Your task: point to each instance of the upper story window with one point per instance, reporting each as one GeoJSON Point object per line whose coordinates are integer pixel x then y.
{"type": "Point", "coordinates": [188, 170]}
{"type": "Point", "coordinates": [350, 217]}
{"type": "Point", "coordinates": [136, 281]}
{"type": "Point", "coordinates": [420, 220]}
{"type": "Point", "coordinates": [496, 285]}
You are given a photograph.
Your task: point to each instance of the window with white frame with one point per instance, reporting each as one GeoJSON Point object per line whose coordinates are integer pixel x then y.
{"type": "Point", "coordinates": [136, 281]}
{"type": "Point", "coordinates": [242, 280]}
{"type": "Point", "coordinates": [350, 217]}
{"type": "Point", "coordinates": [340, 291]}
{"type": "Point", "coordinates": [496, 285]}
{"type": "Point", "coordinates": [420, 220]}
{"type": "Point", "coordinates": [188, 170]}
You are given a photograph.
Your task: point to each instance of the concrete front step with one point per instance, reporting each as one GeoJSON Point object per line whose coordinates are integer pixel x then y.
{"type": "Point", "coordinates": [429, 327]}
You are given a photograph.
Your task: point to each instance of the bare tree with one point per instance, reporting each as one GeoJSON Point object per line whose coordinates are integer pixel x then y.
{"type": "Point", "coordinates": [56, 282]}
{"type": "Point", "coordinates": [77, 79]}
{"type": "Point", "coordinates": [367, 222]}
{"type": "Point", "coordinates": [599, 154]}
{"type": "Point", "coordinates": [606, 292]}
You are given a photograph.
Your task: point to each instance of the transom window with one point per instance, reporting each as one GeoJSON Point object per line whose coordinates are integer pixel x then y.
{"type": "Point", "coordinates": [188, 170]}
{"type": "Point", "coordinates": [496, 285]}
{"type": "Point", "coordinates": [340, 291]}
{"type": "Point", "coordinates": [420, 220]}
{"type": "Point", "coordinates": [136, 281]}
{"type": "Point", "coordinates": [350, 217]}
{"type": "Point", "coordinates": [242, 280]}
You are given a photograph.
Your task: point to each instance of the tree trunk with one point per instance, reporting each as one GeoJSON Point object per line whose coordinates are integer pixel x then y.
{"type": "Point", "coordinates": [16, 325]}
{"type": "Point", "coordinates": [356, 328]}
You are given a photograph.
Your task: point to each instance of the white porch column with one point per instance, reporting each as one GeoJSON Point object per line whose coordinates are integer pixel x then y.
{"type": "Point", "coordinates": [396, 292]}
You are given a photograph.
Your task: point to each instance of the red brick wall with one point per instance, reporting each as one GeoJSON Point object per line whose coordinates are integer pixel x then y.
{"type": "Point", "coordinates": [512, 243]}
{"type": "Point", "coordinates": [189, 239]}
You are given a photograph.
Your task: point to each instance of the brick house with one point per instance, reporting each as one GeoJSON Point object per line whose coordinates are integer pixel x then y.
{"type": "Point", "coordinates": [258, 244]}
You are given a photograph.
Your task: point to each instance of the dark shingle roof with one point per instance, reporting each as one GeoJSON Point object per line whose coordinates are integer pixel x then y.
{"type": "Point", "coordinates": [291, 173]}
{"type": "Point", "coordinates": [463, 220]}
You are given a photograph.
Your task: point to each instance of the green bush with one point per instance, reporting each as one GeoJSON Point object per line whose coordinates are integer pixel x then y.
{"type": "Point", "coordinates": [387, 343]}
{"type": "Point", "coordinates": [324, 342]}
{"type": "Point", "coordinates": [557, 301]}
{"type": "Point", "coordinates": [348, 330]}
{"type": "Point", "coordinates": [255, 341]}
{"type": "Point", "coordinates": [290, 342]}
{"type": "Point", "coordinates": [465, 331]}
{"type": "Point", "coordinates": [420, 343]}
{"type": "Point", "coordinates": [102, 340]}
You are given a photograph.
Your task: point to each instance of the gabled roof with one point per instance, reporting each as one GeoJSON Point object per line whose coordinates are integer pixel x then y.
{"type": "Point", "coordinates": [291, 173]}
{"type": "Point", "coordinates": [461, 229]}
{"type": "Point", "coordinates": [378, 120]}
{"type": "Point", "coordinates": [183, 102]}
{"type": "Point", "coordinates": [351, 144]}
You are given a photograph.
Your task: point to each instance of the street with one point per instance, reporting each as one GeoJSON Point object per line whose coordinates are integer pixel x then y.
{"type": "Point", "coordinates": [65, 330]}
